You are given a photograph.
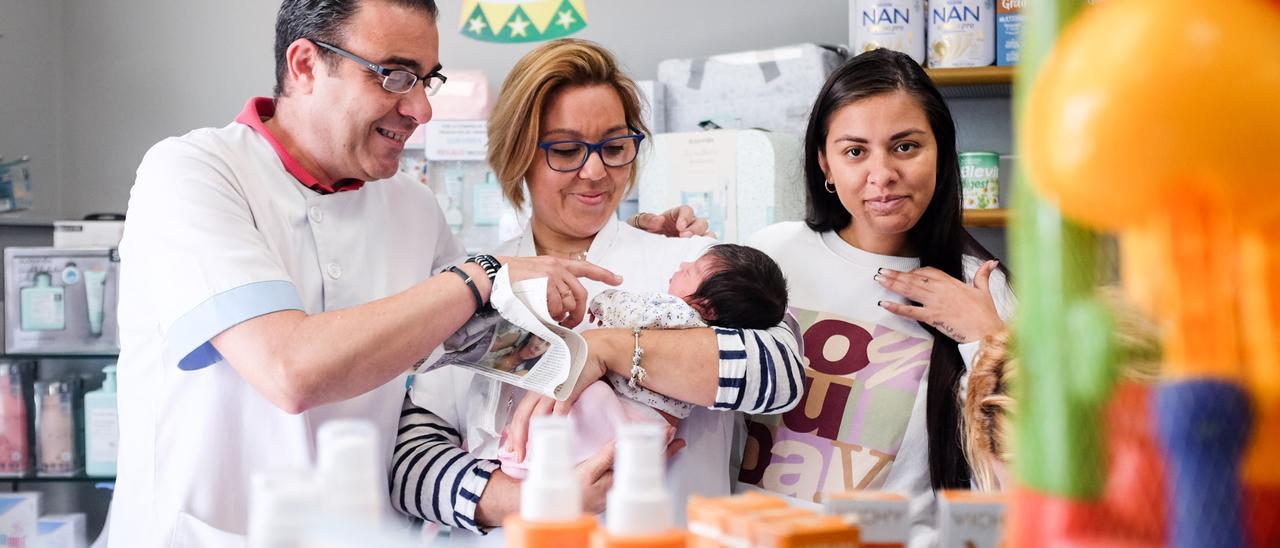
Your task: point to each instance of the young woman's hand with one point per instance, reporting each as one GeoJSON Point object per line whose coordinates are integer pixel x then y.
{"type": "Point", "coordinates": [961, 311]}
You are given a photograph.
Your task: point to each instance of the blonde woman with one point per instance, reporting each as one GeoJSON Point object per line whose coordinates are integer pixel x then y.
{"type": "Point", "coordinates": [566, 127]}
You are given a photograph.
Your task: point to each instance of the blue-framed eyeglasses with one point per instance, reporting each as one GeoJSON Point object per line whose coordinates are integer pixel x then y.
{"type": "Point", "coordinates": [393, 80]}
{"type": "Point", "coordinates": [568, 156]}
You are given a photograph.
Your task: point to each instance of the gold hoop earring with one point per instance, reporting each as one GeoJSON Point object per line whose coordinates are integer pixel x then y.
{"type": "Point", "coordinates": [831, 187]}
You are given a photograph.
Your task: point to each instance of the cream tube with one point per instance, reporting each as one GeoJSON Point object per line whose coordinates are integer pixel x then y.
{"type": "Point", "coordinates": [95, 283]}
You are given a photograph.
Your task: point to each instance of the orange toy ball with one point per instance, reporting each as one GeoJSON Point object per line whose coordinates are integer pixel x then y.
{"type": "Point", "coordinates": [1146, 99]}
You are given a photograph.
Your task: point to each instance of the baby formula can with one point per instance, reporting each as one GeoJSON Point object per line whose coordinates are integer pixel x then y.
{"type": "Point", "coordinates": [898, 25]}
{"type": "Point", "coordinates": [962, 33]}
{"type": "Point", "coordinates": [980, 179]}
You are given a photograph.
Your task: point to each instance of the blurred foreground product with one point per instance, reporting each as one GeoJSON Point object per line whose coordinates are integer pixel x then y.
{"type": "Point", "coordinates": [550, 498]}
{"type": "Point", "coordinates": [640, 512]}
{"type": "Point", "coordinates": [1193, 215]}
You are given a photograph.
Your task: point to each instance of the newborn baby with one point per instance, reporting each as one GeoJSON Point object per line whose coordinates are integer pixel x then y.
{"type": "Point", "coordinates": [728, 286]}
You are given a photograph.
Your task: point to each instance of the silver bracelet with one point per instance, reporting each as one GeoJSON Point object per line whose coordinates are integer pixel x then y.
{"type": "Point", "coordinates": [637, 373]}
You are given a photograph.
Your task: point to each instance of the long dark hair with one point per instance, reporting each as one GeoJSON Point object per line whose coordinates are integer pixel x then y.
{"type": "Point", "coordinates": [938, 237]}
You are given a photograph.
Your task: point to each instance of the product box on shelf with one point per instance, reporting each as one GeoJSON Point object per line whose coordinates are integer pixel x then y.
{"type": "Point", "coordinates": [61, 301]}
{"type": "Point", "coordinates": [15, 184]}
{"type": "Point", "coordinates": [56, 533]}
{"type": "Point", "coordinates": [75, 523]}
{"type": "Point", "coordinates": [1008, 31]}
{"type": "Point", "coordinates": [88, 233]}
{"type": "Point", "coordinates": [883, 516]}
{"type": "Point", "coordinates": [771, 89]}
{"type": "Point", "coordinates": [464, 97]}
{"type": "Point", "coordinates": [740, 180]}
{"type": "Point", "coordinates": [970, 519]}
{"type": "Point", "coordinates": [19, 513]}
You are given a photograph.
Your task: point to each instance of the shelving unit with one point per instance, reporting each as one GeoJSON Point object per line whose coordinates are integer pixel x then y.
{"type": "Point", "coordinates": [986, 218]}
{"type": "Point", "coordinates": [973, 81]}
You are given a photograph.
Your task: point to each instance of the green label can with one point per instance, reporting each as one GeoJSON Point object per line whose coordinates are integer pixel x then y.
{"type": "Point", "coordinates": [980, 179]}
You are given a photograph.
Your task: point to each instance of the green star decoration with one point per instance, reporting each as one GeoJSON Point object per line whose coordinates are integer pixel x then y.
{"type": "Point", "coordinates": [520, 28]}
{"type": "Point", "coordinates": [478, 26]}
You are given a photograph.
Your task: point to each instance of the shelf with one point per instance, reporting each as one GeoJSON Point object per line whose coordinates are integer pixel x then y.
{"type": "Point", "coordinates": [986, 218]}
{"type": "Point", "coordinates": [57, 479]}
{"type": "Point", "coordinates": [971, 76]}
{"type": "Point", "coordinates": [973, 81]}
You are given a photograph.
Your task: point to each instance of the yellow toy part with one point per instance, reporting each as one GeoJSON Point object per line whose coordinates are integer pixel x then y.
{"type": "Point", "coordinates": [1191, 102]}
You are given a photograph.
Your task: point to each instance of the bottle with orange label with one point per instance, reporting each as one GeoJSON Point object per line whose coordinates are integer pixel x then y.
{"type": "Point", "coordinates": [639, 504]}
{"type": "Point", "coordinates": [550, 497]}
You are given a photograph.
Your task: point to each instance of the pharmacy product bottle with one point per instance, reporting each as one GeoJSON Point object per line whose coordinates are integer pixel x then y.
{"type": "Point", "coordinates": [639, 504]}
{"type": "Point", "coordinates": [550, 497]}
{"type": "Point", "coordinates": [102, 427]}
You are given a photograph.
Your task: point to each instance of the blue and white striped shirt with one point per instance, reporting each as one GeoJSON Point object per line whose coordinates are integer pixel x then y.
{"type": "Point", "coordinates": [433, 478]}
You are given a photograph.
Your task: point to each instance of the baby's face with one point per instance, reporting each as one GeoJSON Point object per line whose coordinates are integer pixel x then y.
{"type": "Point", "coordinates": [690, 275]}
{"type": "Point", "coordinates": [534, 348]}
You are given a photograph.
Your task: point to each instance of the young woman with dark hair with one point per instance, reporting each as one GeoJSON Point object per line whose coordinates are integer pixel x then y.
{"type": "Point", "coordinates": [893, 293]}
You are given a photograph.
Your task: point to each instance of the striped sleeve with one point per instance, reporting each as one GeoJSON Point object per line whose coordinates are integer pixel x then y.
{"type": "Point", "coordinates": [761, 371]}
{"type": "Point", "coordinates": [432, 477]}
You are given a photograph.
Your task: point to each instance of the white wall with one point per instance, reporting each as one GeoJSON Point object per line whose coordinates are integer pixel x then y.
{"type": "Point", "coordinates": [103, 80]}
{"type": "Point", "coordinates": [142, 70]}
{"type": "Point", "coordinates": [137, 71]}
{"type": "Point", "coordinates": [31, 91]}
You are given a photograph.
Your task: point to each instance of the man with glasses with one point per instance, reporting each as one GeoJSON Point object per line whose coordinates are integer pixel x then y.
{"type": "Point", "coordinates": [278, 273]}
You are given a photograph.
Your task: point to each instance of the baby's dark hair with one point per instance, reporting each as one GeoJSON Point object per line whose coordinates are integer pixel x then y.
{"type": "Point", "coordinates": [746, 289]}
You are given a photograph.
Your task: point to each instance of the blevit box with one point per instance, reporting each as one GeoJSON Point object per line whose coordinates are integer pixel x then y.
{"type": "Point", "coordinates": [883, 516]}
{"type": "Point", "coordinates": [1008, 31]}
{"type": "Point", "coordinates": [971, 519]}
{"type": "Point", "coordinates": [19, 513]}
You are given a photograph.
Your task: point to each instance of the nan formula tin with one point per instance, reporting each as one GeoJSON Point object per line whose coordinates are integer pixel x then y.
{"type": "Point", "coordinates": [898, 25]}
{"type": "Point", "coordinates": [962, 33]}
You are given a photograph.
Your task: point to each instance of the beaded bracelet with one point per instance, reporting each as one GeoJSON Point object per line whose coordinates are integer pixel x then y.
{"type": "Point", "coordinates": [637, 373]}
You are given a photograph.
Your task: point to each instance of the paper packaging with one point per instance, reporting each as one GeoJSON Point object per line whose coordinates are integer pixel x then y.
{"type": "Point", "coordinates": [768, 89]}
{"type": "Point", "coordinates": [76, 523]}
{"type": "Point", "coordinates": [1008, 31]}
{"type": "Point", "coordinates": [741, 181]}
{"type": "Point", "coordinates": [968, 519]}
{"type": "Point", "coordinates": [87, 233]}
{"type": "Point", "coordinates": [18, 515]}
{"type": "Point", "coordinates": [883, 516]}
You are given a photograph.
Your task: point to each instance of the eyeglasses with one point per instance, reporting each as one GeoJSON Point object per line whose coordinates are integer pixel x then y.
{"type": "Point", "coordinates": [569, 156]}
{"type": "Point", "coordinates": [393, 80]}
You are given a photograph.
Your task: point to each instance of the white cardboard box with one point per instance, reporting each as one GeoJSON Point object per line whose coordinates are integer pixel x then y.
{"type": "Point", "coordinates": [771, 89]}
{"type": "Point", "coordinates": [970, 519]}
{"type": "Point", "coordinates": [19, 513]}
{"type": "Point", "coordinates": [76, 523]}
{"type": "Point", "coordinates": [883, 516]}
{"type": "Point", "coordinates": [87, 233]}
{"type": "Point", "coordinates": [741, 181]}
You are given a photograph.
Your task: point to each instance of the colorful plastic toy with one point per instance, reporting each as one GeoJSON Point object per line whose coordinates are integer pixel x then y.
{"type": "Point", "coordinates": [1158, 119]}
